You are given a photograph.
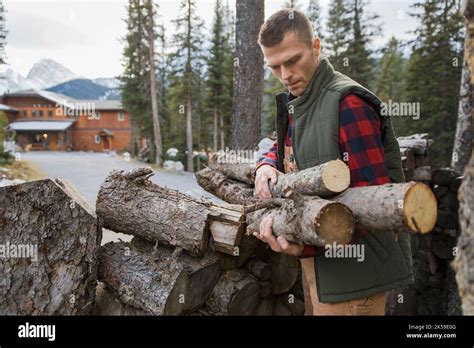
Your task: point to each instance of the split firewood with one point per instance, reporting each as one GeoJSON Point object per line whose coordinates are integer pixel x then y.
{"type": "Point", "coordinates": [49, 239]}
{"type": "Point", "coordinates": [236, 293]}
{"type": "Point", "coordinates": [130, 203]}
{"type": "Point", "coordinates": [392, 207]}
{"type": "Point", "coordinates": [166, 283]}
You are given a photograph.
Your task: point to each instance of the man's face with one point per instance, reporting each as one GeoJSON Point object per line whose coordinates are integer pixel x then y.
{"type": "Point", "coordinates": [293, 62]}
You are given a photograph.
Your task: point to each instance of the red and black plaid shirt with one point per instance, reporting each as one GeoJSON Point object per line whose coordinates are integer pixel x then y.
{"type": "Point", "coordinates": [360, 142]}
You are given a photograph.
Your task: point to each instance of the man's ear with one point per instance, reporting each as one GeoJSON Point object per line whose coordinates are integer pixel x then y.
{"type": "Point", "coordinates": [316, 47]}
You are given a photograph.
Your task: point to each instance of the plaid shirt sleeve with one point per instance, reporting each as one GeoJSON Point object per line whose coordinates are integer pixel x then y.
{"type": "Point", "coordinates": [269, 157]}
{"type": "Point", "coordinates": [361, 148]}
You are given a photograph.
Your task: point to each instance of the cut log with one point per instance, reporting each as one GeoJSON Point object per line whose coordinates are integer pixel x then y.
{"type": "Point", "coordinates": [422, 174]}
{"type": "Point", "coordinates": [231, 191]}
{"type": "Point", "coordinates": [293, 304]}
{"type": "Point", "coordinates": [284, 269]}
{"type": "Point", "coordinates": [240, 253]}
{"type": "Point", "coordinates": [259, 269]}
{"type": "Point", "coordinates": [166, 283]}
{"type": "Point", "coordinates": [323, 181]}
{"type": "Point", "coordinates": [266, 306]}
{"type": "Point", "coordinates": [308, 220]}
{"type": "Point", "coordinates": [408, 207]}
{"type": "Point", "coordinates": [49, 239]}
{"type": "Point", "coordinates": [444, 176]}
{"type": "Point", "coordinates": [107, 303]}
{"type": "Point", "coordinates": [236, 293]}
{"type": "Point", "coordinates": [416, 142]}
{"type": "Point", "coordinates": [233, 166]}
{"type": "Point", "coordinates": [129, 203]}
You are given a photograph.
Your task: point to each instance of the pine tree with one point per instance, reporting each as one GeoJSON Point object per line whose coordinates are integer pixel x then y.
{"type": "Point", "coordinates": [133, 79]}
{"type": "Point", "coordinates": [338, 34]}
{"type": "Point", "coordinates": [359, 57]}
{"type": "Point", "coordinates": [314, 15]}
{"type": "Point", "coordinates": [433, 75]}
{"type": "Point", "coordinates": [390, 68]}
{"type": "Point", "coordinates": [220, 71]}
{"type": "Point", "coordinates": [186, 63]}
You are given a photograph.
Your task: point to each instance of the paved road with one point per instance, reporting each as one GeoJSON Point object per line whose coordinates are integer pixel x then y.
{"type": "Point", "coordinates": [87, 170]}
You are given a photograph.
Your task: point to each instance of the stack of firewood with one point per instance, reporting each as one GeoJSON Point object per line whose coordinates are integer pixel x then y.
{"type": "Point", "coordinates": [414, 151]}
{"type": "Point", "coordinates": [193, 256]}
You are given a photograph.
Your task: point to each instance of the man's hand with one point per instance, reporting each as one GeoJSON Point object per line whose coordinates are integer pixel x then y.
{"type": "Point", "coordinates": [280, 244]}
{"type": "Point", "coordinates": [262, 175]}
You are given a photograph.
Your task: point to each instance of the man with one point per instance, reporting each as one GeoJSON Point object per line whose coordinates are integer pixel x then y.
{"type": "Point", "coordinates": [326, 116]}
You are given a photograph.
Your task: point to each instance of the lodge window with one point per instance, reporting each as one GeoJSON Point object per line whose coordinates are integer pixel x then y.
{"type": "Point", "coordinates": [121, 116]}
{"type": "Point", "coordinates": [97, 115]}
{"type": "Point", "coordinates": [25, 113]}
{"type": "Point", "coordinates": [50, 113]}
{"type": "Point", "coordinates": [40, 113]}
{"type": "Point", "coordinates": [33, 113]}
{"type": "Point", "coordinates": [97, 139]}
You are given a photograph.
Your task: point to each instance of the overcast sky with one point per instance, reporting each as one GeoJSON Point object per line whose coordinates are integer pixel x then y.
{"type": "Point", "coordinates": [85, 35]}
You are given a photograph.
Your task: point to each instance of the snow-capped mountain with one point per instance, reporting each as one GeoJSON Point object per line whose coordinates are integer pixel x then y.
{"type": "Point", "coordinates": [47, 73]}
{"type": "Point", "coordinates": [110, 82]}
{"type": "Point", "coordinates": [11, 81]}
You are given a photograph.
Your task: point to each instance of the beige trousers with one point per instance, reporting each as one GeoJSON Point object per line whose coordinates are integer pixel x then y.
{"type": "Point", "coordinates": [373, 305]}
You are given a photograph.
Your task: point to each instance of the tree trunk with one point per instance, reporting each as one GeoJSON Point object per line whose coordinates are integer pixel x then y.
{"type": "Point", "coordinates": [259, 269]}
{"type": "Point", "coordinates": [215, 133]}
{"type": "Point", "coordinates": [308, 220]}
{"type": "Point", "coordinates": [464, 262]}
{"type": "Point", "coordinates": [463, 139]}
{"type": "Point", "coordinates": [130, 203]}
{"type": "Point", "coordinates": [236, 293]}
{"type": "Point", "coordinates": [284, 269]}
{"type": "Point", "coordinates": [229, 190]}
{"type": "Point", "coordinates": [164, 283]}
{"type": "Point", "coordinates": [49, 238]}
{"type": "Point", "coordinates": [107, 303]}
{"type": "Point", "coordinates": [154, 102]}
{"type": "Point", "coordinates": [392, 207]}
{"type": "Point", "coordinates": [248, 75]}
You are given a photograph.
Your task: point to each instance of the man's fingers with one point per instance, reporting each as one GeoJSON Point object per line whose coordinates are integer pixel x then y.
{"type": "Point", "coordinates": [273, 177]}
{"type": "Point", "coordinates": [262, 189]}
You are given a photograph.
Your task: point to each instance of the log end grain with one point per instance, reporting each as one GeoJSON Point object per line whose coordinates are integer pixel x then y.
{"type": "Point", "coordinates": [335, 223]}
{"type": "Point", "coordinates": [420, 208]}
{"type": "Point", "coordinates": [336, 176]}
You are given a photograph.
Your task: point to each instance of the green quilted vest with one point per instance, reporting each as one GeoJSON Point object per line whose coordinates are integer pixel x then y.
{"type": "Point", "coordinates": [315, 140]}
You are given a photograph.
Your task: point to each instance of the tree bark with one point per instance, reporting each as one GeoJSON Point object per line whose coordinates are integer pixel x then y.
{"type": "Point", "coordinates": [307, 220]}
{"type": "Point", "coordinates": [248, 72]}
{"type": "Point", "coordinates": [464, 262]}
{"type": "Point", "coordinates": [233, 166]}
{"type": "Point", "coordinates": [128, 202]}
{"type": "Point", "coordinates": [259, 269]}
{"type": "Point", "coordinates": [107, 303]}
{"type": "Point", "coordinates": [236, 293]}
{"type": "Point", "coordinates": [164, 283]}
{"type": "Point", "coordinates": [229, 190]}
{"type": "Point", "coordinates": [463, 139]}
{"type": "Point", "coordinates": [49, 238]}
{"type": "Point", "coordinates": [324, 180]}
{"type": "Point", "coordinates": [284, 270]}
{"type": "Point", "coordinates": [153, 97]}
{"type": "Point", "coordinates": [392, 207]}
